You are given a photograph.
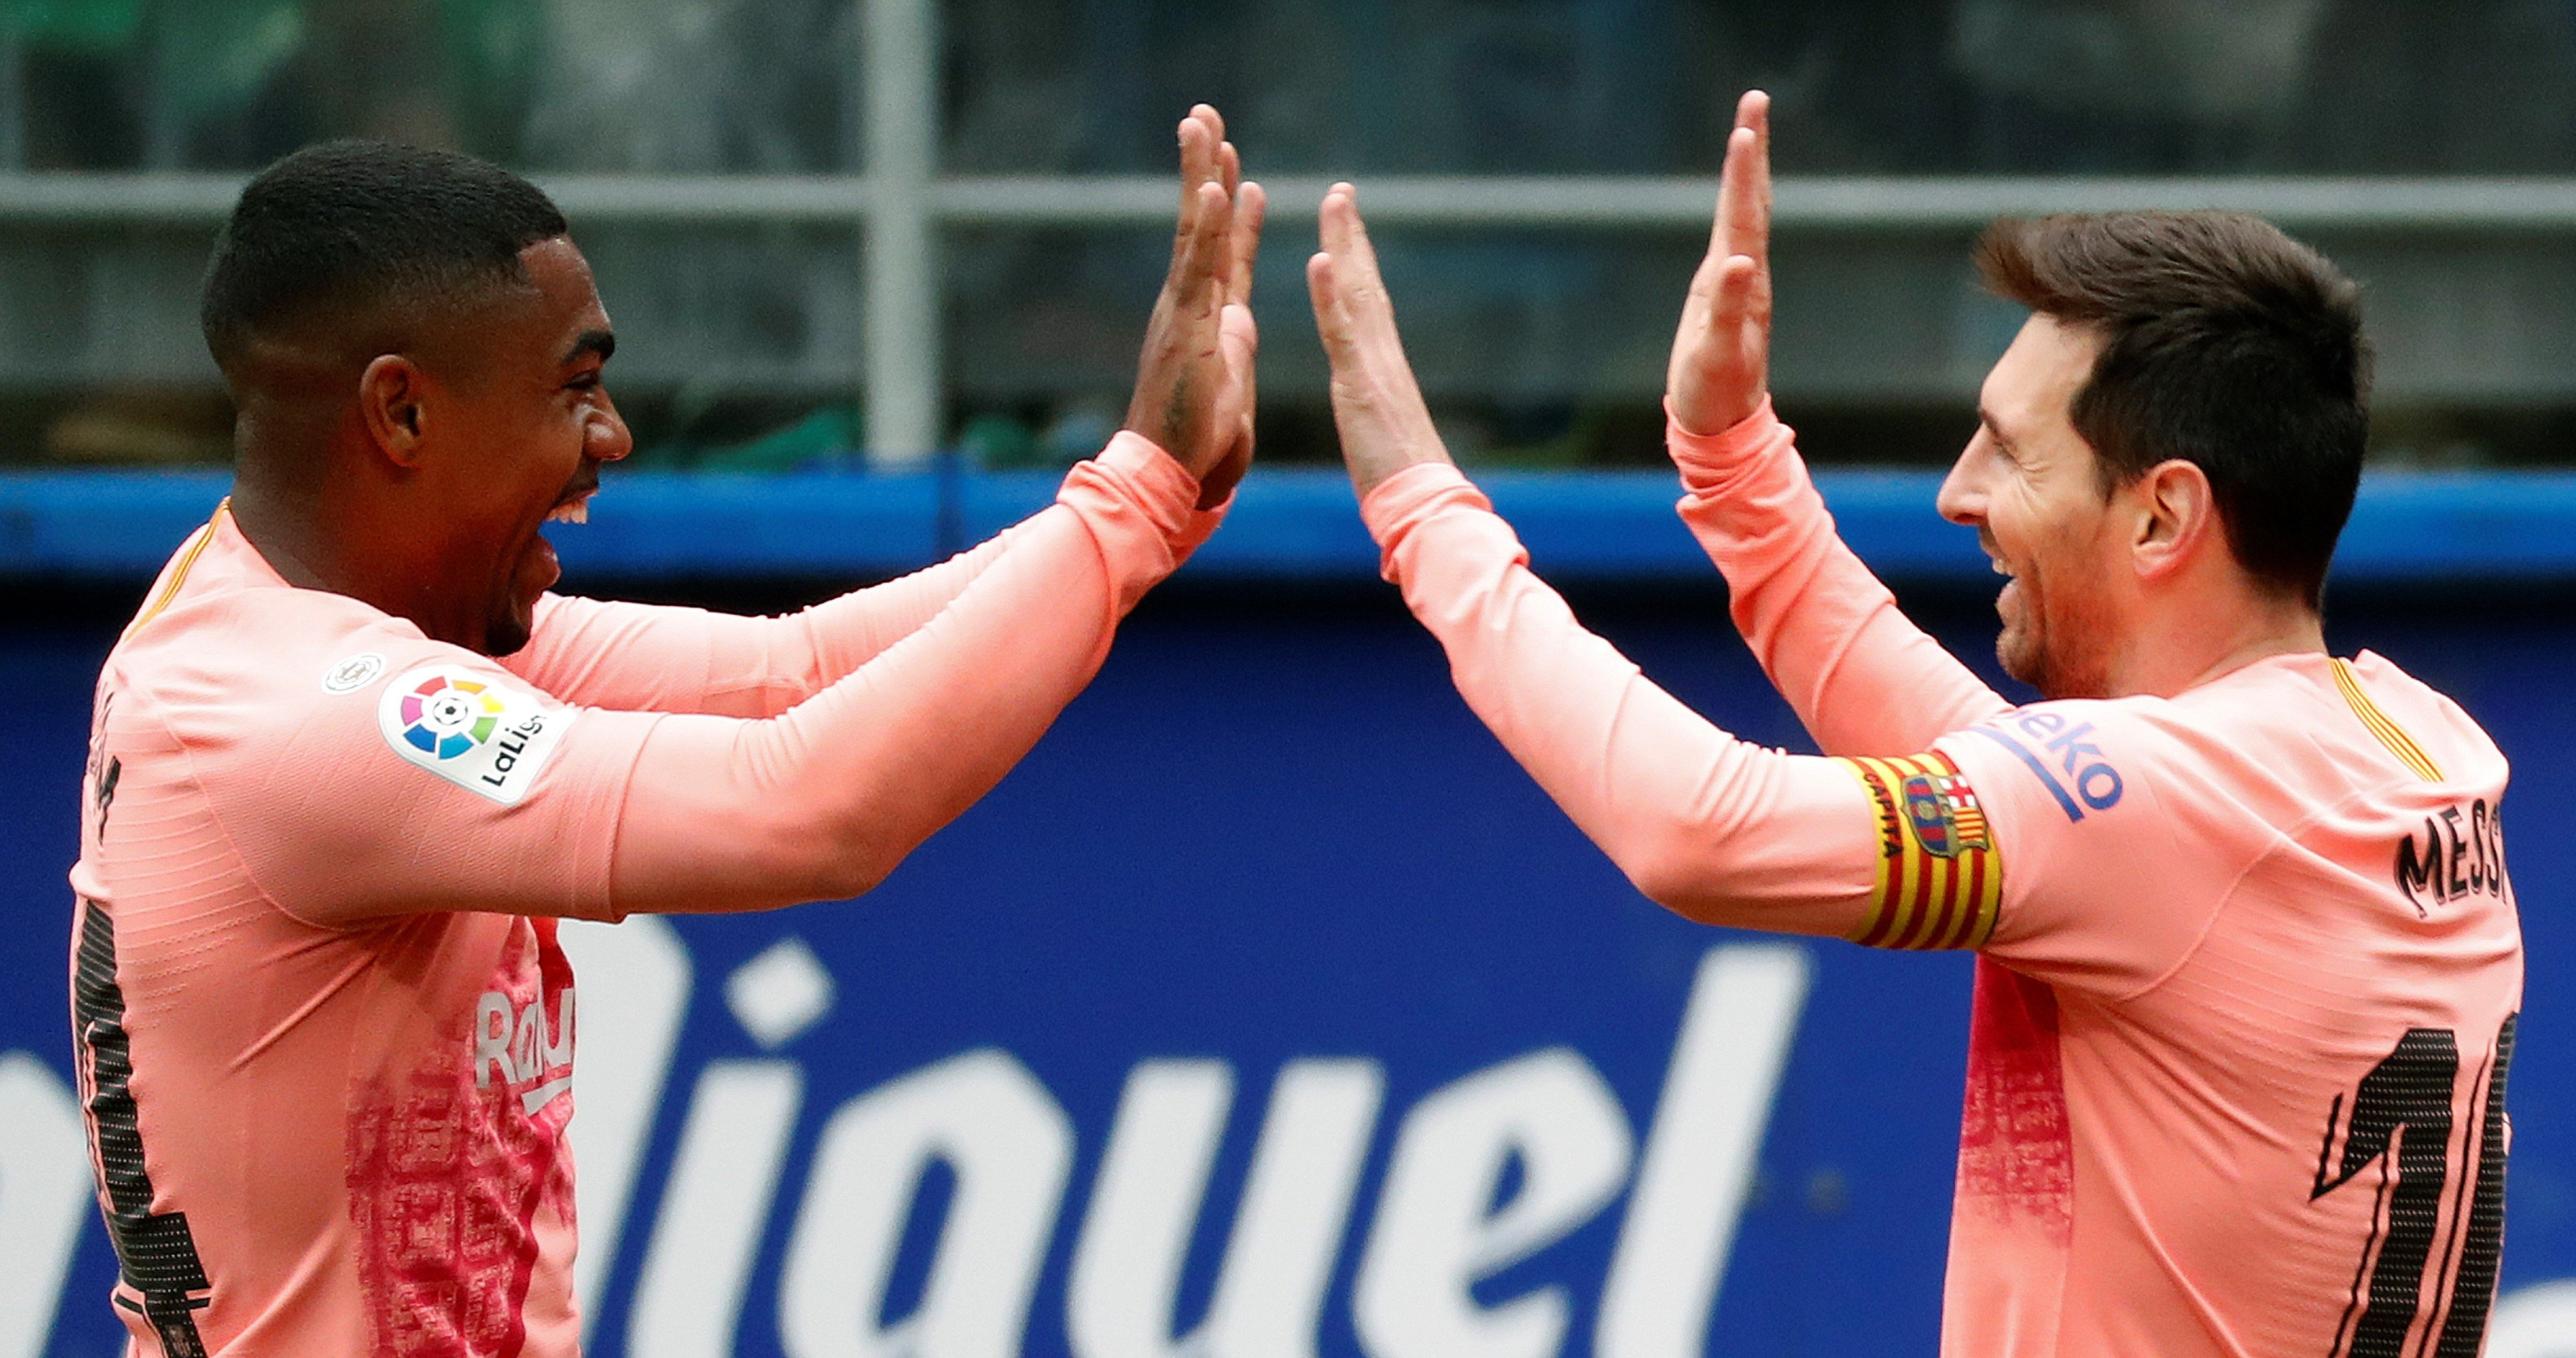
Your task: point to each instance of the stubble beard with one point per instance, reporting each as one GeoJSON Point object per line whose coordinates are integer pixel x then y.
{"type": "Point", "coordinates": [2059, 646]}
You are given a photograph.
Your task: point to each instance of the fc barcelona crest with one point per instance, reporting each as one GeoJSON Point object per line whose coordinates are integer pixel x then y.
{"type": "Point", "coordinates": [1944, 814]}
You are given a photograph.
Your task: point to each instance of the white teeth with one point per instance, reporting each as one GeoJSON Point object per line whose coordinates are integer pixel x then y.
{"type": "Point", "coordinates": [1999, 569]}
{"type": "Point", "coordinates": [576, 512]}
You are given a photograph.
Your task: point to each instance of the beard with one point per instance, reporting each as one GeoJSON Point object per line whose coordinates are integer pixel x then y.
{"type": "Point", "coordinates": [2056, 641]}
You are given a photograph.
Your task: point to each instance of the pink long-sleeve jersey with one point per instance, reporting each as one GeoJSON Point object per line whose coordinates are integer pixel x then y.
{"type": "Point", "coordinates": [2248, 964]}
{"type": "Point", "coordinates": [324, 1035]}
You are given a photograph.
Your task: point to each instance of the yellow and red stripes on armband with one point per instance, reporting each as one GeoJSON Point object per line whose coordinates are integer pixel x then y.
{"type": "Point", "coordinates": [1940, 881]}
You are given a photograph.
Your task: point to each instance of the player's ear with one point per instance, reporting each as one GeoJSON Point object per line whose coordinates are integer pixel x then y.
{"type": "Point", "coordinates": [391, 402]}
{"type": "Point", "coordinates": [2175, 517]}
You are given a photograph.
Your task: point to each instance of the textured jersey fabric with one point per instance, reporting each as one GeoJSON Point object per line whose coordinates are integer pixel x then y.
{"type": "Point", "coordinates": [2248, 956]}
{"type": "Point", "coordinates": [323, 1031]}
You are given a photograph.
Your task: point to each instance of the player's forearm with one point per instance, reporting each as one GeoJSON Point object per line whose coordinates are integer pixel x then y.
{"type": "Point", "coordinates": [1861, 676]}
{"type": "Point", "coordinates": [1702, 823]}
{"type": "Point", "coordinates": [643, 657]}
{"type": "Point", "coordinates": [820, 644]}
{"type": "Point", "coordinates": [824, 800]}
{"type": "Point", "coordinates": [837, 636]}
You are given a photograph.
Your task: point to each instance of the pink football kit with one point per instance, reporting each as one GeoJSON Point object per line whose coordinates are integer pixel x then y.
{"type": "Point", "coordinates": [323, 1031]}
{"type": "Point", "coordinates": [2248, 958]}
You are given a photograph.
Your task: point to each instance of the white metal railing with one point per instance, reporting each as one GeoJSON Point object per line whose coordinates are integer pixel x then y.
{"type": "Point", "coordinates": [902, 202]}
{"type": "Point", "coordinates": [1582, 202]}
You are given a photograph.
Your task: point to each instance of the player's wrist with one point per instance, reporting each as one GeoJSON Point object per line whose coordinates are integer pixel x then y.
{"type": "Point", "coordinates": [1704, 417]}
{"type": "Point", "coordinates": [1739, 440]}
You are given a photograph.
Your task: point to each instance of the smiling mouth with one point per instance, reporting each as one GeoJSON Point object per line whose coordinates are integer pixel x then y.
{"type": "Point", "coordinates": [574, 507]}
{"type": "Point", "coordinates": [1994, 559]}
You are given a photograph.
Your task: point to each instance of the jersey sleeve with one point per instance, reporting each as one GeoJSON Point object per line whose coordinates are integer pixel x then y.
{"type": "Point", "coordinates": [436, 780]}
{"type": "Point", "coordinates": [1861, 676]}
{"type": "Point", "coordinates": [823, 800]}
{"type": "Point", "coordinates": [1708, 826]}
{"type": "Point", "coordinates": [443, 783]}
{"type": "Point", "coordinates": [646, 657]}
{"type": "Point", "coordinates": [2108, 842]}
{"type": "Point", "coordinates": [657, 658]}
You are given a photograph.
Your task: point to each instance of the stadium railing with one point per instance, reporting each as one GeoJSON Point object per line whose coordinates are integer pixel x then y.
{"type": "Point", "coordinates": [917, 504]}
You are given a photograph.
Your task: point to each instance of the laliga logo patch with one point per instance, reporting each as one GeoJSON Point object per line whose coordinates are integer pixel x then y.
{"type": "Point", "coordinates": [447, 716]}
{"type": "Point", "coordinates": [471, 730]}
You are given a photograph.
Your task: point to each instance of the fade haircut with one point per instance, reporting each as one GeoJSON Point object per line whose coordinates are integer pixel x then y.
{"type": "Point", "coordinates": [2225, 344]}
{"type": "Point", "coordinates": [368, 231]}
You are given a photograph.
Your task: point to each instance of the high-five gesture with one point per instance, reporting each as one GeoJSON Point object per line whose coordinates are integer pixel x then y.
{"type": "Point", "coordinates": [1377, 405]}
{"type": "Point", "coordinates": [1722, 355]}
{"type": "Point", "coordinates": [1194, 383]}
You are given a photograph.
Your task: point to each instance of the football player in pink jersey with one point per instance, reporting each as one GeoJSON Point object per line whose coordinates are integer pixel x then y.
{"type": "Point", "coordinates": [2248, 957]}
{"type": "Point", "coordinates": [352, 760]}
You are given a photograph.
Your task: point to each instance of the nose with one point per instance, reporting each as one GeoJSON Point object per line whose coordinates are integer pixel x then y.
{"type": "Point", "coordinates": [1963, 492]}
{"type": "Point", "coordinates": [606, 438]}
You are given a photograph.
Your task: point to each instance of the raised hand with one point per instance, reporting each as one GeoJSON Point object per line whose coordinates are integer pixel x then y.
{"type": "Point", "coordinates": [1244, 247]}
{"type": "Point", "coordinates": [1721, 361]}
{"type": "Point", "coordinates": [1377, 404]}
{"type": "Point", "coordinates": [1194, 380]}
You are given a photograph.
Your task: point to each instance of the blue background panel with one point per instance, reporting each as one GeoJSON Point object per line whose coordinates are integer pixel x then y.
{"type": "Point", "coordinates": [1270, 830]}
{"type": "Point", "coordinates": [1296, 523]}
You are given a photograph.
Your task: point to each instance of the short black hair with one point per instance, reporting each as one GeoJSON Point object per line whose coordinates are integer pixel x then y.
{"type": "Point", "coordinates": [358, 224]}
{"type": "Point", "coordinates": [2226, 344]}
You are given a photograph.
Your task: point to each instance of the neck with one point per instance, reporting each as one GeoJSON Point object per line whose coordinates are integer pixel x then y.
{"type": "Point", "coordinates": [339, 539]}
{"type": "Point", "coordinates": [279, 521]}
{"type": "Point", "coordinates": [2192, 643]}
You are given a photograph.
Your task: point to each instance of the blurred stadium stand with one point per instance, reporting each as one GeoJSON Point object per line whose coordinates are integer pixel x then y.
{"type": "Point", "coordinates": [911, 227]}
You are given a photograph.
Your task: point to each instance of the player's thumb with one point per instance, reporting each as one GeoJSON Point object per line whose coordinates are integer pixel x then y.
{"type": "Point", "coordinates": [1332, 319]}
{"type": "Point", "coordinates": [1239, 336]}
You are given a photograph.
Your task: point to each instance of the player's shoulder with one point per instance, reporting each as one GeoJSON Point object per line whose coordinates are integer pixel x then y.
{"type": "Point", "coordinates": [2275, 743]}
{"type": "Point", "coordinates": [2087, 756]}
{"type": "Point", "coordinates": [260, 671]}
{"type": "Point", "coordinates": [2144, 774]}
{"type": "Point", "coordinates": [2333, 732]}
{"type": "Point", "coordinates": [2457, 749]}
{"type": "Point", "coordinates": [255, 653]}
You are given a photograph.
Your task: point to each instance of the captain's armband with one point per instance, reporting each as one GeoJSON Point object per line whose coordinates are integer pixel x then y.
{"type": "Point", "coordinates": [1939, 879]}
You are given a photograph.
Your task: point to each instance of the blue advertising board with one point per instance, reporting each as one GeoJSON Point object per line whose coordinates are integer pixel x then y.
{"type": "Point", "coordinates": [1269, 1009]}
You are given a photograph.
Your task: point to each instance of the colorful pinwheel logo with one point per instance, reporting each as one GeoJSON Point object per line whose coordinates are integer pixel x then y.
{"type": "Point", "coordinates": [446, 717]}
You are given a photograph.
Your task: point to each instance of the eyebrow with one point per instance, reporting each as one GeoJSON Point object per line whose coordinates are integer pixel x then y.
{"type": "Point", "coordinates": [598, 342]}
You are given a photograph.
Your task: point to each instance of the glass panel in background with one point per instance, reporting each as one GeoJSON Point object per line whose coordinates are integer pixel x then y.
{"type": "Point", "coordinates": [101, 363]}
{"type": "Point", "coordinates": [1864, 86]}
{"type": "Point", "coordinates": [738, 346]}
{"type": "Point", "coordinates": [1536, 349]}
{"type": "Point", "coordinates": [1539, 348]}
{"type": "Point", "coordinates": [1544, 349]}
{"type": "Point", "coordinates": [675, 86]}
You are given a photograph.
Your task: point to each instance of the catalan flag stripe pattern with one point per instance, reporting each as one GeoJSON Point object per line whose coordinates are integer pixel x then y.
{"type": "Point", "coordinates": [2389, 733]}
{"type": "Point", "coordinates": [1940, 881]}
